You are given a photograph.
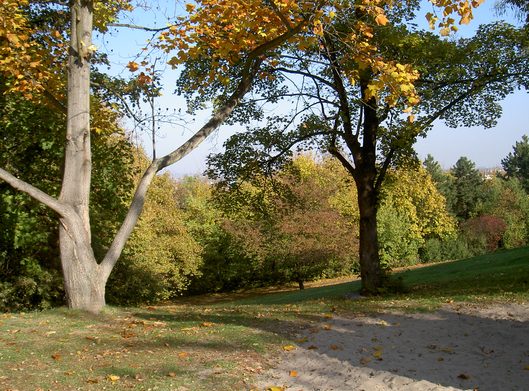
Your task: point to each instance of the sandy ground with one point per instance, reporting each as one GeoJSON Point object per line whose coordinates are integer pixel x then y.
{"type": "Point", "coordinates": [460, 347]}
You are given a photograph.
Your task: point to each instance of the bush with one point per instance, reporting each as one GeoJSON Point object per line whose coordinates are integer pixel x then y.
{"type": "Point", "coordinates": [438, 250]}
{"type": "Point", "coordinates": [484, 232]}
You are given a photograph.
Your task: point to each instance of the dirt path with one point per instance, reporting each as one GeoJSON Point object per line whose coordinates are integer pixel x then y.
{"type": "Point", "coordinates": [461, 347]}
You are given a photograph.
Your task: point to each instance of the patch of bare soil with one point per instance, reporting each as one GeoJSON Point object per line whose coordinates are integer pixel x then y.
{"type": "Point", "coordinates": [460, 347]}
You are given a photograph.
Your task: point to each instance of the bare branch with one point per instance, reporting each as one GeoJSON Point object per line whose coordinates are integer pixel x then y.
{"type": "Point", "coordinates": [18, 184]}
{"type": "Point", "coordinates": [138, 27]}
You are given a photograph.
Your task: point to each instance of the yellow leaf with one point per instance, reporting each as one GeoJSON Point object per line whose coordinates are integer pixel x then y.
{"type": "Point", "coordinates": [275, 388]}
{"type": "Point", "coordinates": [190, 7]}
{"type": "Point", "coordinates": [464, 20]}
{"type": "Point", "coordinates": [113, 378]}
{"type": "Point", "coordinates": [526, 368]}
{"type": "Point", "coordinates": [207, 324]}
{"type": "Point", "coordinates": [293, 373]}
{"type": "Point", "coordinates": [288, 348]}
{"type": "Point", "coordinates": [183, 354]}
{"type": "Point", "coordinates": [381, 20]}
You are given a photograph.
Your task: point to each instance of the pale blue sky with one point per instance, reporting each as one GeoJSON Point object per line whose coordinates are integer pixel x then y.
{"type": "Point", "coordinates": [486, 147]}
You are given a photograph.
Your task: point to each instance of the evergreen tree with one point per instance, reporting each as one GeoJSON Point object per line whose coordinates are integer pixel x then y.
{"type": "Point", "coordinates": [467, 187]}
{"type": "Point", "coordinates": [516, 164]}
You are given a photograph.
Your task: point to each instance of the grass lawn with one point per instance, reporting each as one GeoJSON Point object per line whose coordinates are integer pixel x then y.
{"type": "Point", "coordinates": [220, 346]}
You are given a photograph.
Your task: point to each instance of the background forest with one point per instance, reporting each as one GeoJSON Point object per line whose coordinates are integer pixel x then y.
{"type": "Point", "coordinates": [197, 236]}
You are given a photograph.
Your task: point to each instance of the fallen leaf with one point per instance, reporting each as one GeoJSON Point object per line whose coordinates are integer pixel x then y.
{"type": "Point", "coordinates": [128, 334]}
{"type": "Point", "coordinates": [275, 388]}
{"type": "Point", "coordinates": [365, 360]}
{"type": "Point", "coordinates": [183, 354]}
{"type": "Point", "coordinates": [328, 316]}
{"type": "Point", "coordinates": [207, 324]}
{"type": "Point", "coordinates": [48, 333]}
{"type": "Point", "coordinates": [312, 347]}
{"type": "Point", "coordinates": [335, 347]}
{"type": "Point", "coordinates": [378, 352]}
{"type": "Point", "coordinates": [293, 373]}
{"type": "Point", "coordinates": [171, 374]}
{"type": "Point", "coordinates": [288, 348]}
{"type": "Point", "coordinates": [327, 327]}
{"type": "Point", "coordinates": [463, 376]}
{"type": "Point", "coordinates": [526, 367]}
{"type": "Point", "coordinates": [56, 356]}
{"type": "Point", "coordinates": [113, 378]}
{"type": "Point", "coordinates": [92, 381]}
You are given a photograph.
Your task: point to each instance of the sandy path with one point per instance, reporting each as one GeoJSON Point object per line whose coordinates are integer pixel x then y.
{"type": "Point", "coordinates": [461, 347]}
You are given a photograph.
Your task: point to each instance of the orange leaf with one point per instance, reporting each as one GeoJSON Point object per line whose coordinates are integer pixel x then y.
{"type": "Point", "coordinates": [133, 66]}
{"type": "Point", "coordinates": [56, 356]}
{"type": "Point", "coordinates": [183, 354]}
{"type": "Point", "coordinates": [293, 373]}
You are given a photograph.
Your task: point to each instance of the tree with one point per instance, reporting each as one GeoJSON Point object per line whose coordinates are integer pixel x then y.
{"type": "Point", "coordinates": [161, 257]}
{"type": "Point", "coordinates": [32, 149]}
{"type": "Point", "coordinates": [295, 231]}
{"type": "Point", "coordinates": [84, 277]}
{"type": "Point", "coordinates": [521, 7]}
{"type": "Point", "coordinates": [508, 200]}
{"type": "Point", "coordinates": [352, 105]}
{"type": "Point", "coordinates": [443, 180]}
{"type": "Point", "coordinates": [412, 211]}
{"type": "Point", "coordinates": [468, 183]}
{"type": "Point", "coordinates": [516, 163]}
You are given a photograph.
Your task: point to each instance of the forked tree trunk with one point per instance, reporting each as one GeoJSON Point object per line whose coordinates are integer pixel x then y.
{"type": "Point", "coordinates": [85, 289]}
{"type": "Point", "coordinates": [83, 282]}
{"type": "Point", "coordinates": [84, 277]}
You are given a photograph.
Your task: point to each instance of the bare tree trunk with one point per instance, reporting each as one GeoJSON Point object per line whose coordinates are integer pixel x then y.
{"type": "Point", "coordinates": [370, 269]}
{"type": "Point", "coordinates": [82, 279]}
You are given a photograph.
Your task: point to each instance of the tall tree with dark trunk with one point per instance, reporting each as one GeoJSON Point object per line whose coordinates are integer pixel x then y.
{"type": "Point", "coordinates": [358, 119]}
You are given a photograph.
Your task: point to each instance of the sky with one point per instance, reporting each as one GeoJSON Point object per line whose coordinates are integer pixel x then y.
{"type": "Point", "coordinates": [486, 147]}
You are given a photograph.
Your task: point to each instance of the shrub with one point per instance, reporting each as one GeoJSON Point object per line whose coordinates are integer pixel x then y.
{"type": "Point", "coordinates": [484, 231]}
